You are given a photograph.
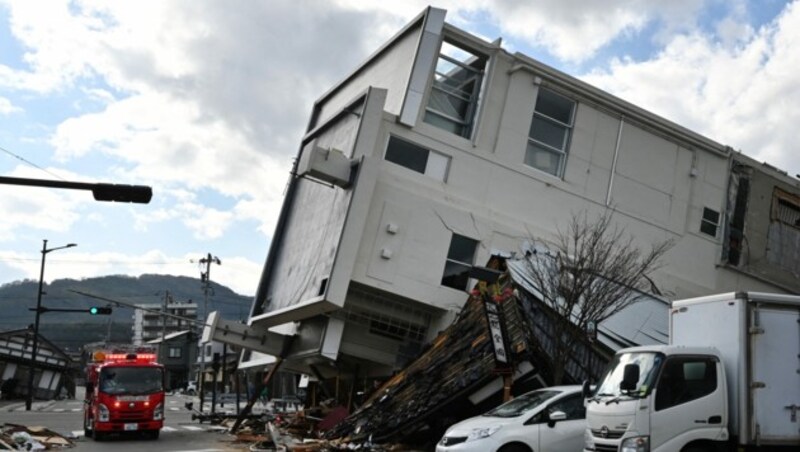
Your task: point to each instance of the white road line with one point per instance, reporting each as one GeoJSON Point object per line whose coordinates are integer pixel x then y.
{"type": "Point", "coordinates": [58, 410]}
{"type": "Point", "coordinates": [174, 408]}
{"type": "Point", "coordinates": [77, 433]}
{"type": "Point", "coordinates": [168, 429]}
{"type": "Point", "coordinates": [75, 410]}
{"type": "Point", "coordinates": [193, 428]}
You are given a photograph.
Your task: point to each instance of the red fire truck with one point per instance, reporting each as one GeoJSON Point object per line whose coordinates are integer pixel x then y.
{"type": "Point", "coordinates": [124, 392]}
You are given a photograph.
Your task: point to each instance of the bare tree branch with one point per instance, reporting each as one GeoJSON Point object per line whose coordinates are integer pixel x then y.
{"type": "Point", "coordinates": [592, 271]}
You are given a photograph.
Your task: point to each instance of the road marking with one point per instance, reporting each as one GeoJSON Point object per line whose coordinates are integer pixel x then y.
{"type": "Point", "coordinates": [165, 429]}
{"type": "Point", "coordinates": [174, 408]}
{"type": "Point", "coordinates": [58, 410]}
{"type": "Point", "coordinates": [75, 410]}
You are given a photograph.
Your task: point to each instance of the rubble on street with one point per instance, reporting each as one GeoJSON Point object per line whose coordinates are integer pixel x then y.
{"type": "Point", "coordinates": [21, 437]}
{"type": "Point", "coordinates": [459, 375]}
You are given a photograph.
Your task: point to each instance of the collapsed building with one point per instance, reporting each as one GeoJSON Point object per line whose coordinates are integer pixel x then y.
{"type": "Point", "coordinates": [460, 373]}
{"type": "Point", "coordinates": [443, 149]}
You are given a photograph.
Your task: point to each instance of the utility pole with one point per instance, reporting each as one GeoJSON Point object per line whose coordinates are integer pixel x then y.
{"type": "Point", "coordinates": [39, 310]}
{"type": "Point", "coordinates": [205, 278]}
{"type": "Point", "coordinates": [108, 329]}
{"type": "Point", "coordinates": [161, 354]}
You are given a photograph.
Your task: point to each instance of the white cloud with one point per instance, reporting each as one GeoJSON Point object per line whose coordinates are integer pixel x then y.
{"type": "Point", "coordinates": [196, 98]}
{"type": "Point", "coordinates": [37, 209]}
{"type": "Point", "coordinates": [203, 97]}
{"type": "Point", "coordinates": [207, 223]}
{"type": "Point", "coordinates": [746, 95]}
{"type": "Point", "coordinates": [6, 107]}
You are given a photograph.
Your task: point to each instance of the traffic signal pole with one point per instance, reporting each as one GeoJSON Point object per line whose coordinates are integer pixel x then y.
{"type": "Point", "coordinates": [140, 194]}
{"type": "Point", "coordinates": [39, 308]}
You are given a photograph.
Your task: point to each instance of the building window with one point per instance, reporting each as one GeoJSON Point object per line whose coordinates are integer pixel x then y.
{"type": "Point", "coordinates": [456, 87]}
{"type": "Point", "coordinates": [460, 257]}
{"type": "Point", "coordinates": [174, 352]}
{"type": "Point", "coordinates": [710, 222]}
{"type": "Point", "coordinates": [208, 350]}
{"type": "Point", "coordinates": [786, 211]}
{"type": "Point", "coordinates": [417, 158]}
{"type": "Point", "coordinates": [783, 236]}
{"type": "Point", "coordinates": [549, 134]}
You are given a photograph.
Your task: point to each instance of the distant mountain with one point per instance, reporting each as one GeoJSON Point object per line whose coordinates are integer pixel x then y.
{"type": "Point", "coordinates": [68, 328]}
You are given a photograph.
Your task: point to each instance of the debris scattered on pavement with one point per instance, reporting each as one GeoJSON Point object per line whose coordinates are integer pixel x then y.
{"type": "Point", "coordinates": [21, 437]}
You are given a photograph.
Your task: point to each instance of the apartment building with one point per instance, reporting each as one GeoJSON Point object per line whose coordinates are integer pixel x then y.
{"type": "Point", "coordinates": [149, 324]}
{"type": "Point", "coordinates": [443, 149]}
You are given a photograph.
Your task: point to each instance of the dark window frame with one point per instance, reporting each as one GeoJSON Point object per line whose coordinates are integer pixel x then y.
{"type": "Point", "coordinates": [460, 280]}
{"type": "Point", "coordinates": [400, 151]}
{"type": "Point", "coordinates": [786, 208]}
{"type": "Point", "coordinates": [708, 225]}
{"type": "Point", "coordinates": [540, 117]}
{"type": "Point", "coordinates": [447, 88]}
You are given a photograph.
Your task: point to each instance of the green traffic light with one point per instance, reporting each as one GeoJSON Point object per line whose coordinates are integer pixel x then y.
{"type": "Point", "coordinates": [93, 310]}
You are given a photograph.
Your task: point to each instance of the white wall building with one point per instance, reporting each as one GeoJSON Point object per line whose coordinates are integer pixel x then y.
{"type": "Point", "coordinates": [148, 324]}
{"type": "Point", "coordinates": [443, 148]}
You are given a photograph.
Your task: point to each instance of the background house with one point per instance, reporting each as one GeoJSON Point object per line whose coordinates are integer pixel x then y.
{"type": "Point", "coordinates": [149, 324]}
{"type": "Point", "coordinates": [51, 370]}
{"type": "Point", "coordinates": [178, 353]}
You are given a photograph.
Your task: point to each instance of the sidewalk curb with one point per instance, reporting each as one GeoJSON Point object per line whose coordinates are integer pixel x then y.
{"type": "Point", "coordinates": [36, 406]}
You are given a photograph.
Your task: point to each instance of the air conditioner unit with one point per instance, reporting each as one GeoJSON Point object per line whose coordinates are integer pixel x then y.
{"type": "Point", "coordinates": [329, 165]}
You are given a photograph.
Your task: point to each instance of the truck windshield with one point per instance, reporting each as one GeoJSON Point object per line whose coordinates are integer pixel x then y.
{"type": "Point", "coordinates": [649, 364]}
{"type": "Point", "coordinates": [131, 380]}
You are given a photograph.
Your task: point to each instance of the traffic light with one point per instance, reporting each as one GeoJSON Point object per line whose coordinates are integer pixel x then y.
{"type": "Point", "coordinates": [122, 193]}
{"type": "Point", "coordinates": [99, 310]}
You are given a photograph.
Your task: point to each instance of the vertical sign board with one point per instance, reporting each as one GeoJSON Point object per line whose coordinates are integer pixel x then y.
{"type": "Point", "coordinates": [496, 329]}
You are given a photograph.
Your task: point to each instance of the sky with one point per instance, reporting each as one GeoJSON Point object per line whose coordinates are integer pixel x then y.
{"type": "Point", "coordinates": [206, 102]}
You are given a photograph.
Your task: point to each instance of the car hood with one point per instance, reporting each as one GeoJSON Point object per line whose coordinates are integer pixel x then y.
{"type": "Point", "coordinates": [464, 427]}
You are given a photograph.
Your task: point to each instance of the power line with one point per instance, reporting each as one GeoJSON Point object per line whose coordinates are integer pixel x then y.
{"type": "Point", "coordinates": [99, 261]}
{"type": "Point", "coordinates": [29, 163]}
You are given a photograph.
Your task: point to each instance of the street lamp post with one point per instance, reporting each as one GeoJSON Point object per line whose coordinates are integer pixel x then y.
{"type": "Point", "coordinates": [32, 368]}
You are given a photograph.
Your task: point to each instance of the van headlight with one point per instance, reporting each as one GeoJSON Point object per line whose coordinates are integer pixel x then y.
{"type": "Point", "coordinates": [158, 413]}
{"type": "Point", "coordinates": [102, 413]}
{"type": "Point", "coordinates": [635, 444]}
{"type": "Point", "coordinates": [480, 433]}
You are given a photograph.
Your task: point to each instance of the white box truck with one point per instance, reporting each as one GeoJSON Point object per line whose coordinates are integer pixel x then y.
{"type": "Point", "coordinates": [728, 380]}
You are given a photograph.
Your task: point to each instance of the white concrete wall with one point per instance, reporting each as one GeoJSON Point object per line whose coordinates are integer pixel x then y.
{"type": "Point", "coordinates": [658, 190]}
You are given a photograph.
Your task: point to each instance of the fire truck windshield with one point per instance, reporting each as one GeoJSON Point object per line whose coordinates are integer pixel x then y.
{"type": "Point", "coordinates": [131, 380]}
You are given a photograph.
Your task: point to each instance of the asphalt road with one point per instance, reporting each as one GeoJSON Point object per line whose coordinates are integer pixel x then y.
{"type": "Point", "coordinates": [180, 432]}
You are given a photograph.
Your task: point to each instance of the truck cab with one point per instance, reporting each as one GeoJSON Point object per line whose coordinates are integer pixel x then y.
{"type": "Point", "coordinates": [124, 393]}
{"type": "Point", "coordinates": [659, 398]}
{"type": "Point", "coordinates": [729, 380]}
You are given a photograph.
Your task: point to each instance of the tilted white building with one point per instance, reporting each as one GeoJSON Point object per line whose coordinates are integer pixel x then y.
{"type": "Point", "coordinates": [442, 149]}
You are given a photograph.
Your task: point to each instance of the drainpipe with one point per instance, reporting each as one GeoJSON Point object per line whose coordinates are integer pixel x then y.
{"type": "Point", "coordinates": [614, 163]}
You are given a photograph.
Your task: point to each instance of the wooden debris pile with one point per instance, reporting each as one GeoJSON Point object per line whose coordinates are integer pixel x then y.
{"type": "Point", "coordinates": [458, 362]}
{"type": "Point", "coordinates": [21, 437]}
